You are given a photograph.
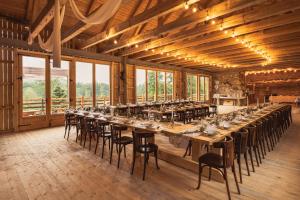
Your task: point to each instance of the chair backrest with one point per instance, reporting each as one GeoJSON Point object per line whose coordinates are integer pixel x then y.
{"type": "Point", "coordinates": [240, 139]}
{"type": "Point", "coordinates": [228, 150]}
{"type": "Point", "coordinates": [251, 134]}
{"type": "Point", "coordinates": [101, 125]}
{"type": "Point", "coordinates": [116, 131]}
{"type": "Point", "coordinates": [142, 138]}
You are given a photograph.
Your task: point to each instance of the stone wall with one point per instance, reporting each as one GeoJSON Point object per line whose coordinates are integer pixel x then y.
{"type": "Point", "coordinates": [229, 83]}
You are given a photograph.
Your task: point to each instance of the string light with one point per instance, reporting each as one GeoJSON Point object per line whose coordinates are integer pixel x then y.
{"type": "Point", "coordinates": [195, 9]}
{"type": "Point", "coordinates": [207, 15]}
{"type": "Point", "coordinates": [136, 46]}
{"type": "Point", "coordinates": [272, 71]}
{"type": "Point", "coordinates": [115, 42]}
{"type": "Point", "coordinates": [186, 5]}
{"type": "Point", "coordinates": [213, 22]}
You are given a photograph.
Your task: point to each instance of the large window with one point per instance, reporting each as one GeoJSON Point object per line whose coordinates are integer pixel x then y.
{"type": "Point", "coordinates": [161, 77]}
{"type": "Point", "coordinates": [102, 84]}
{"type": "Point", "coordinates": [192, 87]}
{"type": "Point", "coordinates": [141, 85]}
{"type": "Point", "coordinates": [153, 85]}
{"type": "Point", "coordinates": [34, 86]}
{"type": "Point", "coordinates": [59, 87]}
{"type": "Point", "coordinates": [151, 89]}
{"type": "Point", "coordinates": [198, 87]}
{"type": "Point", "coordinates": [169, 82]}
{"type": "Point", "coordinates": [84, 84]}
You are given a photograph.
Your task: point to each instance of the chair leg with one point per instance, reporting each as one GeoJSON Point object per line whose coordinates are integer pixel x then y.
{"type": "Point", "coordinates": [246, 161]}
{"type": "Point", "coordinates": [111, 151]}
{"type": "Point", "coordinates": [227, 185]}
{"type": "Point", "coordinates": [255, 153]}
{"type": "Point", "coordinates": [187, 148]}
{"type": "Point", "coordinates": [240, 169]}
{"type": "Point", "coordinates": [103, 144]}
{"type": "Point", "coordinates": [156, 158]}
{"type": "Point", "coordinates": [119, 154]}
{"type": "Point", "coordinates": [69, 128]}
{"type": "Point", "coordinates": [84, 139]}
{"type": "Point", "coordinates": [251, 159]}
{"type": "Point", "coordinates": [199, 176]}
{"type": "Point", "coordinates": [145, 164]}
{"type": "Point", "coordinates": [209, 174]}
{"type": "Point", "coordinates": [133, 162]}
{"type": "Point", "coordinates": [97, 141]}
{"type": "Point", "coordinates": [124, 147]}
{"type": "Point", "coordinates": [235, 178]}
{"type": "Point", "coordinates": [77, 131]}
{"type": "Point", "coordinates": [90, 145]}
{"type": "Point", "coordinates": [66, 127]}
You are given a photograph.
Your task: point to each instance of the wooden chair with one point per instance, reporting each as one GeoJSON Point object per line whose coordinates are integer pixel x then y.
{"type": "Point", "coordinates": [252, 147]}
{"type": "Point", "coordinates": [104, 133]}
{"type": "Point", "coordinates": [240, 139]}
{"type": "Point", "coordinates": [89, 130]}
{"type": "Point", "coordinates": [220, 162]}
{"type": "Point", "coordinates": [70, 121]}
{"type": "Point", "coordinates": [142, 143]}
{"type": "Point", "coordinates": [119, 140]}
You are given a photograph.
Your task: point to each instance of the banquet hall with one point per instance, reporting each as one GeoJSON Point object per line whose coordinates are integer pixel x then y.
{"type": "Point", "coordinates": [149, 99]}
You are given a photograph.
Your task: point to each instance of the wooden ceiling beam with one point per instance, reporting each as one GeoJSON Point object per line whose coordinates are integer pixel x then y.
{"type": "Point", "coordinates": [156, 11]}
{"type": "Point", "coordinates": [45, 16]}
{"type": "Point", "coordinates": [228, 22]}
{"type": "Point", "coordinates": [241, 30]}
{"type": "Point", "coordinates": [221, 9]}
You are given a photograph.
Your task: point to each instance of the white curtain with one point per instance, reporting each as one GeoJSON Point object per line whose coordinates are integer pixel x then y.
{"type": "Point", "coordinates": [101, 15]}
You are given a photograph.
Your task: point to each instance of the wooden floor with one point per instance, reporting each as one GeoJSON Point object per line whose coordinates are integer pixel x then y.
{"type": "Point", "coordinates": [42, 165]}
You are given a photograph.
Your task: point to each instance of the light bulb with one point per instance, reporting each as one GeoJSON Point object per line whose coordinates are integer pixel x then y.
{"type": "Point", "coordinates": [186, 5]}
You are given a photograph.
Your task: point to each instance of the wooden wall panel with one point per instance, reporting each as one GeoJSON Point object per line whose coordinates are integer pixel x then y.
{"type": "Point", "coordinates": [130, 78]}
{"type": "Point", "coordinates": [9, 30]}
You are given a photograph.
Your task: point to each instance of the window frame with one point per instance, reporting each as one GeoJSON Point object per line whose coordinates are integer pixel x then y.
{"type": "Point", "coordinates": [156, 70]}
{"type": "Point", "coordinates": [206, 94]}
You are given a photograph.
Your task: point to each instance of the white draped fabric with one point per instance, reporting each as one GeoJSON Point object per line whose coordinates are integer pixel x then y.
{"type": "Point", "coordinates": [101, 15]}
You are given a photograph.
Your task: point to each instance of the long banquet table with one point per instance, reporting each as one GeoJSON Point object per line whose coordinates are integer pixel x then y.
{"type": "Point", "coordinates": [199, 139]}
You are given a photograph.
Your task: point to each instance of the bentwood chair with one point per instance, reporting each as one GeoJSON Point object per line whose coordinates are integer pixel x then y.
{"type": "Point", "coordinates": [70, 121]}
{"type": "Point", "coordinates": [240, 139]}
{"type": "Point", "coordinates": [120, 141]}
{"type": "Point", "coordinates": [104, 133]}
{"type": "Point", "coordinates": [252, 147]}
{"type": "Point", "coordinates": [90, 130]}
{"type": "Point", "coordinates": [220, 162]}
{"type": "Point", "coordinates": [143, 144]}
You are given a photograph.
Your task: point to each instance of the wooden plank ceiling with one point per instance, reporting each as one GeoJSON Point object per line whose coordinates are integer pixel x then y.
{"type": "Point", "coordinates": [213, 35]}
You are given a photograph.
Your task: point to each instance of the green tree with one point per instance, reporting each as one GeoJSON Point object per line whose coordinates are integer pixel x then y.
{"type": "Point", "coordinates": [58, 92]}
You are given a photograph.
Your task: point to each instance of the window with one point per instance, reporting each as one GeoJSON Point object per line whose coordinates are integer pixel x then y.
{"type": "Point", "coordinates": [141, 85]}
{"type": "Point", "coordinates": [153, 85]}
{"type": "Point", "coordinates": [192, 87]}
{"type": "Point", "coordinates": [161, 86]}
{"type": "Point", "coordinates": [151, 90]}
{"type": "Point", "coordinates": [102, 85]}
{"type": "Point", "coordinates": [84, 84]}
{"type": "Point", "coordinates": [59, 87]}
{"type": "Point", "coordinates": [206, 89]}
{"type": "Point", "coordinates": [34, 86]}
{"type": "Point", "coordinates": [198, 87]}
{"type": "Point", "coordinates": [169, 82]}
{"type": "Point", "coordinates": [201, 88]}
